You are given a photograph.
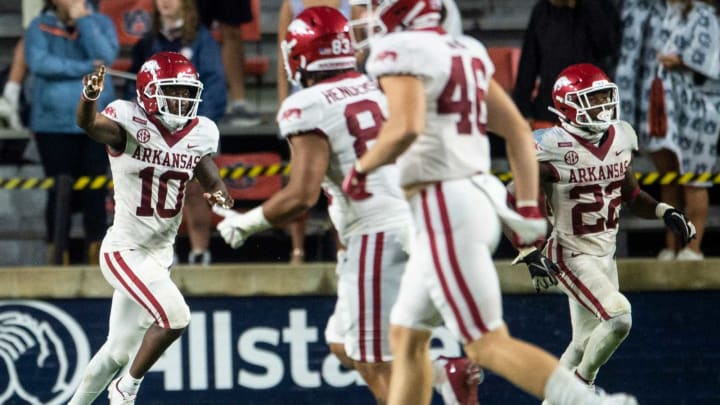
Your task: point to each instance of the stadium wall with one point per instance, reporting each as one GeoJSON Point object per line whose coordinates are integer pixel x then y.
{"type": "Point", "coordinates": [256, 335]}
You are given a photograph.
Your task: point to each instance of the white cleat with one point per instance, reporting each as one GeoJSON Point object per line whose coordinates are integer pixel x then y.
{"type": "Point", "coordinates": [118, 397]}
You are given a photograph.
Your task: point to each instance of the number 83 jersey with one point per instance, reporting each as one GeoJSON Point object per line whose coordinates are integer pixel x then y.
{"type": "Point", "coordinates": [585, 193]}
{"type": "Point", "coordinates": [150, 175]}
{"type": "Point", "coordinates": [348, 110]}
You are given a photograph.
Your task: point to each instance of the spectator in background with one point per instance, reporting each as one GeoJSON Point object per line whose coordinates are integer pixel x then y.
{"type": "Point", "coordinates": [176, 28]}
{"type": "Point", "coordinates": [229, 15]}
{"type": "Point", "coordinates": [288, 11]}
{"type": "Point", "coordinates": [10, 98]}
{"type": "Point", "coordinates": [561, 33]}
{"type": "Point", "coordinates": [689, 53]}
{"type": "Point", "coordinates": [67, 41]}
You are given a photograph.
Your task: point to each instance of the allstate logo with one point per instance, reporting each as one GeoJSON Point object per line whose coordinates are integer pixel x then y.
{"type": "Point", "coordinates": [43, 353]}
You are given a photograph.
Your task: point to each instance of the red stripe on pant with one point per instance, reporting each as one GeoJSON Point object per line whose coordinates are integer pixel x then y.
{"type": "Point", "coordinates": [581, 286]}
{"type": "Point", "coordinates": [127, 287]}
{"type": "Point", "coordinates": [361, 297]}
{"type": "Point", "coordinates": [144, 290]}
{"type": "Point", "coordinates": [377, 296]}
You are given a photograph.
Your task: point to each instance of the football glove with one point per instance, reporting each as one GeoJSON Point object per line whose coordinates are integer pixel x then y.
{"type": "Point", "coordinates": [236, 227]}
{"type": "Point", "coordinates": [542, 270]}
{"type": "Point", "coordinates": [677, 222]}
{"type": "Point", "coordinates": [355, 184]}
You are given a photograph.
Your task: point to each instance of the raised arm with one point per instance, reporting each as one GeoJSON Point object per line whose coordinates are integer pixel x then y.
{"type": "Point", "coordinates": [97, 126]}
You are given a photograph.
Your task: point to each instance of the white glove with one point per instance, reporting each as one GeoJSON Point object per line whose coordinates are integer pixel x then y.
{"type": "Point", "coordinates": [9, 113]}
{"type": "Point", "coordinates": [236, 227]}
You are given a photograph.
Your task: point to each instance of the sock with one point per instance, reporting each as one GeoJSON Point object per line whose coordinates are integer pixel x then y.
{"type": "Point", "coordinates": [12, 92]}
{"type": "Point", "coordinates": [98, 374]}
{"type": "Point", "coordinates": [571, 357]}
{"type": "Point", "coordinates": [129, 384]}
{"type": "Point", "coordinates": [438, 375]}
{"type": "Point", "coordinates": [563, 388]}
{"type": "Point", "coordinates": [602, 343]}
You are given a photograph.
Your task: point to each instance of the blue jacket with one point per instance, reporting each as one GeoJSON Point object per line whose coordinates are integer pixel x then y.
{"type": "Point", "coordinates": [204, 53]}
{"type": "Point", "coordinates": [57, 59]}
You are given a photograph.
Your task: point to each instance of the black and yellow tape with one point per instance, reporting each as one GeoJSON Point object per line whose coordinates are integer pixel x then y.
{"type": "Point", "coordinates": [283, 169]}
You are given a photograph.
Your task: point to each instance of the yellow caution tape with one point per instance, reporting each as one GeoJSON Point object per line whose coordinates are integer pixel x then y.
{"type": "Point", "coordinates": [283, 169]}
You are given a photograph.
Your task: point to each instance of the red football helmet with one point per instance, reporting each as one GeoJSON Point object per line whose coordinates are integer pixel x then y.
{"type": "Point", "coordinates": [155, 79]}
{"type": "Point", "coordinates": [383, 16]}
{"type": "Point", "coordinates": [317, 40]}
{"type": "Point", "coordinates": [585, 97]}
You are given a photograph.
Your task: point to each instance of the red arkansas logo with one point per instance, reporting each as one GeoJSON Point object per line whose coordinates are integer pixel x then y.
{"type": "Point", "coordinates": [386, 55]}
{"type": "Point", "coordinates": [571, 157]}
{"type": "Point", "coordinates": [110, 111]}
{"type": "Point", "coordinates": [292, 113]}
{"type": "Point", "coordinates": [143, 135]}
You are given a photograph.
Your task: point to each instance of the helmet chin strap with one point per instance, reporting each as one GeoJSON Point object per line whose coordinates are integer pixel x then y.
{"type": "Point", "coordinates": [172, 123]}
{"type": "Point", "coordinates": [591, 136]}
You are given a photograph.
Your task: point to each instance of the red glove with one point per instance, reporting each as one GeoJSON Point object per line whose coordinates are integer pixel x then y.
{"type": "Point", "coordinates": [355, 184]}
{"type": "Point", "coordinates": [532, 214]}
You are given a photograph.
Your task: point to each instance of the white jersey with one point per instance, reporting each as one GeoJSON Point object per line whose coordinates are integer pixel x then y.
{"type": "Point", "coordinates": [150, 175]}
{"type": "Point", "coordinates": [585, 197]}
{"type": "Point", "coordinates": [349, 110]}
{"type": "Point", "coordinates": [455, 73]}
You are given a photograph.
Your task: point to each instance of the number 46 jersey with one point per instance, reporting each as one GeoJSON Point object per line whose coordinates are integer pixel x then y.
{"type": "Point", "coordinates": [585, 195]}
{"type": "Point", "coordinates": [150, 175]}
{"type": "Point", "coordinates": [349, 109]}
{"type": "Point", "coordinates": [455, 73]}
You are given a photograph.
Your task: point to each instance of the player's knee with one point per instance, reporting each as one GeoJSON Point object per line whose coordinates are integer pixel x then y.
{"type": "Point", "coordinates": [183, 319]}
{"type": "Point", "coordinates": [617, 305]}
{"type": "Point", "coordinates": [620, 325]}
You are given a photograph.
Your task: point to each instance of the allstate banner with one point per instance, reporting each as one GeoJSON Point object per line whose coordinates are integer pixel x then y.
{"type": "Point", "coordinates": [249, 350]}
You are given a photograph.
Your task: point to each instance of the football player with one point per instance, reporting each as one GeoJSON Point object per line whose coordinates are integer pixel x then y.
{"type": "Point", "coordinates": [586, 174]}
{"type": "Point", "coordinates": [442, 101]}
{"type": "Point", "coordinates": [155, 146]}
{"type": "Point", "coordinates": [331, 121]}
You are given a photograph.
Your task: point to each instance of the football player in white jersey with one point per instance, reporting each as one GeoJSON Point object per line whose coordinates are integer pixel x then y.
{"type": "Point", "coordinates": [331, 121]}
{"type": "Point", "coordinates": [442, 100]}
{"type": "Point", "coordinates": [155, 146]}
{"type": "Point", "coordinates": [586, 174]}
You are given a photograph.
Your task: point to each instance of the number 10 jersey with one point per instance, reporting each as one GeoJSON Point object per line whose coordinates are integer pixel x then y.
{"type": "Point", "coordinates": [150, 175]}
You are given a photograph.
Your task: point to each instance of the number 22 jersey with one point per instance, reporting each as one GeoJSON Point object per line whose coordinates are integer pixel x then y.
{"type": "Point", "coordinates": [151, 173]}
{"type": "Point", "coordinates": [585, 195]}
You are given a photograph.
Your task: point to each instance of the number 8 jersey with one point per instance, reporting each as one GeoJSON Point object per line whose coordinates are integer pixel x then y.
{"type": "Point", "coordinates": [585, 193]}
{"type": "Point", "coordinates": [150, 175]}
{"type": "Point", "coordinates": [349, 109]}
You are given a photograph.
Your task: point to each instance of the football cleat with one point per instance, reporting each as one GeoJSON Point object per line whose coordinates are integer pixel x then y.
{"type": "Point", "coordinates": [118, 397]}
{"type": "Point", "coordinates": [618, 399]}
{"type": "Point", "coordinates": [463, 378]}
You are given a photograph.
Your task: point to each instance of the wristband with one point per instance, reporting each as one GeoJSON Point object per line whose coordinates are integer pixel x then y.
{"type": "Point", "coordinates": [661, 208]}
{"type": "Point", "coordinates": [256, 220]}
{"type": "Point", "coordinates": [85, 97]}
{"type": "Point", "coordinates": [526, 203]}
{"type": "Point", "coordinates": [358, 167]}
